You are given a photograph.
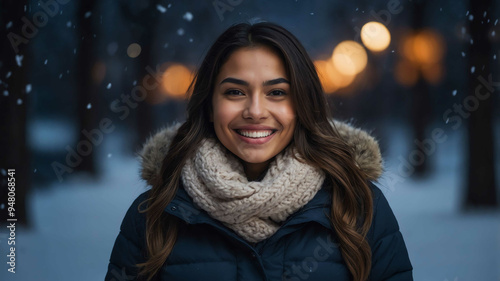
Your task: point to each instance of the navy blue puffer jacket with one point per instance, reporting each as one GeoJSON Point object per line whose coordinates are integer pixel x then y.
{"type": "Point", "coordinates": [304, 248]}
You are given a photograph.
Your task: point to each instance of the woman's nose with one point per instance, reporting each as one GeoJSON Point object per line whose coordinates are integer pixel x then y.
{"type": "Point", "coordinates": [255, 107]}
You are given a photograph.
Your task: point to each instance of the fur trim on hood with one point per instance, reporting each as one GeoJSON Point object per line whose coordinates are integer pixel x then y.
{"type": "Point", "coordinates": [366, 148]}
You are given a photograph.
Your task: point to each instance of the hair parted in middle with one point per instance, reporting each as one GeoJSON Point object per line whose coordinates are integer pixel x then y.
{"type": "Point", "coordinates": [315, 138]}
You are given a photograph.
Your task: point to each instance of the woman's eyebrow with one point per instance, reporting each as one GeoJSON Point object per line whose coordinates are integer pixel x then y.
{"type": "Point", "coordinates": [275, 81]}
{"type": "Point", "coordinates": [245, 83]}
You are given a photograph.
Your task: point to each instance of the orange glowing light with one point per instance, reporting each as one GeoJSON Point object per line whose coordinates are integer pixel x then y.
{"type": "Point", "coordinates": [406, 73]}
{"type": "Point", "coordinates": [433, 73]}
{"type": "Point", "coordinates": [331, 79]}
{"type": "Point", "coordinates": [425, 47]}
{"type": "Point", "coordinates": [134, 50]}
{"type": "Point", "coordinates": [349, 58]}
{"type": "Point", "coordinates": [375, 36]}
{"type": "Point", "coordinates": [176, 80]}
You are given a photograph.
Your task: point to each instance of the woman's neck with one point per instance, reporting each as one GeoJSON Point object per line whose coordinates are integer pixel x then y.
{"type": "Point", "coordinates": [254, 171]}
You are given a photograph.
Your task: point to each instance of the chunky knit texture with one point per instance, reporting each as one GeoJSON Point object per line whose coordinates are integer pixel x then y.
{"type": "Point", "coordinates": [366, 151]}
{"type": "Point", "coordinates": [216, 181]}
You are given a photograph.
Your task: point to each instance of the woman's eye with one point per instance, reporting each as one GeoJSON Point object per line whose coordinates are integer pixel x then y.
{"type": "Point", "coordinates": [277, 93]}
{"type": "Point", "coordinates": [234, 93]}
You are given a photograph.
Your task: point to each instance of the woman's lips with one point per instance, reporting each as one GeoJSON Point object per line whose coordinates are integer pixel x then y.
{"type": "Point", "coordinates": [255, 136]}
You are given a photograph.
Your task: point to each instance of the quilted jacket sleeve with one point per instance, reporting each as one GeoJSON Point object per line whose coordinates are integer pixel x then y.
{"type": "Point", "coordinates": [390, 259]}
{"type": "Point", "coordinates": [129, 247]}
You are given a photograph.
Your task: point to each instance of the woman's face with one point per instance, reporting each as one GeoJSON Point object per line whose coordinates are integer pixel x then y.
{"type": "Point", "coordinates": [253, 114]}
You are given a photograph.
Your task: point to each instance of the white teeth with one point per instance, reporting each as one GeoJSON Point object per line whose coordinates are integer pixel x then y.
{"type": "Point", "coordinates": [255, 134]}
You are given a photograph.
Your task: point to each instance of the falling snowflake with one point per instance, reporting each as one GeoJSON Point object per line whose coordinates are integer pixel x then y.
{"type": "Point", "coordinates": [134, 83]}
{"type": "Point", "coordinates": [188, 16]}
{"type": "Point", "coordinates": [494, 57]}
{"type": "Point", "coordinates": [34, 171]}
{"type": "Point", "coordinates": [108, 86]}
{"type": "Point", "coordinates": [463, 54]}
{"type": "Point", "coordinates": [19, 101]}
{"type": "Point", "coordinates": [169, 5]}
{"type": "Point", "coordinates": [46, 61]}
{"type": "Point", "coordinates": [109, 155]}
{"type": "Point", "coordinates": [471, 17]}
{"type": "Point", "coordinates": [68, 24]}
{"type": "Point", "coordinates": [472, 69]}
{"type": "Point", "coordinates": [493, 33]}
{"type": "Point", "coordinates": [9, 25]}
{"type": "Point", "coordinates": [88, 14]}
{"type": "Point", "coordinates": [161, 8]}
{"type": "Point", "coordinates": [8, 74]}
{"type": "Point", "coordinates": [89, 106]}
{"type": "Point", "coordinates": [190, 40]}
{"type": "Point", "coordinates": [28, 88]}
{"type": "Point", "coordinates": [496, 21]}
{"type": "Point", "coordinates": [4, 172]}
{"type": "Point", "coordinates": [454, 93]}
{"type": "Point", "coordinates": [6, 93]}
{"type": "Point", "coordinates": [19, 60]}
{"type": "Point", "coordinates": [180, 31]}
{"type": "Point", "coordinates": [312, 14]}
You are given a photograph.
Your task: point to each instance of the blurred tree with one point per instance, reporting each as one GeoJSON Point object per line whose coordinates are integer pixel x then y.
{"type": "Point", "coordinates": [87, 89]}
{"type": "Point", "coordinates": [421, 102]}
{"type": "Point", "coordinates": [143, 19]}
{"type": "Point", "coordinates": [481, 189]}
{"type": "Point", "coordinates": [14, 103]}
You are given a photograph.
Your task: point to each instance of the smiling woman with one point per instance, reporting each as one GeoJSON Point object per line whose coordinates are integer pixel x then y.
{"type": "Point", "coordinates": [253, 114]}
{"type": "Point", "coordinates": [260, 183]}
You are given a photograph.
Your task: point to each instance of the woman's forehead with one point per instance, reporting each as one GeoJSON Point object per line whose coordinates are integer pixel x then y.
{"type": "Point", "coordinates": [253, 63]}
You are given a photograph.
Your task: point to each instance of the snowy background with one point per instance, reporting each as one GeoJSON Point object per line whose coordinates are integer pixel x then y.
{"type": "Point", "coordinates": [76, 222]}
{"type": "Point", "coordinates": [74, 219]}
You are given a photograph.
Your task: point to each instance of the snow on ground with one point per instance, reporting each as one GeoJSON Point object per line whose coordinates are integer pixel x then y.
{"type": "Point", "coordinates": [76, 222]}
{"type": "Point", "coordinates": [444, 242]}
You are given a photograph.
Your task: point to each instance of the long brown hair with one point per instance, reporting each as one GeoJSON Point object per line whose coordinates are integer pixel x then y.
{"type": "Point", "coordinates": [315, 137]}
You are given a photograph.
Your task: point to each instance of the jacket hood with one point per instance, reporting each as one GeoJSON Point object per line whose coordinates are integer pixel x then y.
{"type": "Point", "coordinates": [366, 150]}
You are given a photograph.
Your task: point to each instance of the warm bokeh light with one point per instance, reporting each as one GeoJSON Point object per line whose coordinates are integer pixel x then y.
{"type": "Point", "coordinates": [134, 50]}
{"type": "Point", "coordinates": [331, 79]}
{"type": "Point", "coordinates": [433, 73]}
{"type": "Point", "coordinates": [349, 58]}
{"type": "Point", "coordinates": [425, 47]}
{"type": "Point", "coordinates": [406, 73]}
{"type": "Point", "coordinates": [424, 50]}
{"type": "Point", "coordinates": [375, 36]}
{"type": "Point", "coordinates": [176, 80]}
{"type": "Point", "coordinates": [98, 72]}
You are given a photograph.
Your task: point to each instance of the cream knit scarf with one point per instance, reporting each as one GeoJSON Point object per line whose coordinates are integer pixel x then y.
{"type": "Point", "coordinates": [215, 180]}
